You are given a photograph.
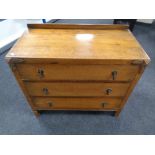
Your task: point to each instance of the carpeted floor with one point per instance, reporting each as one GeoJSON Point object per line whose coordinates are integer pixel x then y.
{"type": "Point", "coordinates": [138, 116]}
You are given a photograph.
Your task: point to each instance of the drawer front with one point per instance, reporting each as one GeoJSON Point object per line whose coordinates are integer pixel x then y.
{"type": "Point", "coordinates": [76, 103]}
{"type": "Point", "coordinates": [77, 72]}
{"type": "Point", "coordinates": [76, 89]}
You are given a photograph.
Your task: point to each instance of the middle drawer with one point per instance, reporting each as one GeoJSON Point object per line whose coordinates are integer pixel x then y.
{"type": "Point", "coordinates": [76, 89]}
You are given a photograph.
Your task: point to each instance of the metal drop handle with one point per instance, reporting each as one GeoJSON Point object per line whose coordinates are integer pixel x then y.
{"type": "Point", "coordinates": [41, 73]}
{"type": "Point", "coordinates": [50, 104]}
{"type": "Point", "coordinates": [104, 104]}
{"type": "Point", "coordinates": [114, 75]}
{"type": "Point", "coordinates": [45, 91]}
{"type": "Point", "coordinates": [108, 91]}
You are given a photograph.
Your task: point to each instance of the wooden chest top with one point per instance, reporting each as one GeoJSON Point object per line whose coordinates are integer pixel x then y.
{"type": "Point", "coordinates": [98, 42]}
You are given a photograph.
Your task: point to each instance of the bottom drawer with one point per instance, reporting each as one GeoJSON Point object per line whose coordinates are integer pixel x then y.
{"type": "Point", "coordinates": [76, 103]}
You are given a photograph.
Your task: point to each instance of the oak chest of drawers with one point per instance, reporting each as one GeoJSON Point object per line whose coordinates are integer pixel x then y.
{"type": "Point", "coordinates": [77, 67]}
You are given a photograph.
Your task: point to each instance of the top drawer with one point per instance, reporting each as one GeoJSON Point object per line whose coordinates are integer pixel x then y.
{"type": "Point", "coordinates": [77, 72]}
